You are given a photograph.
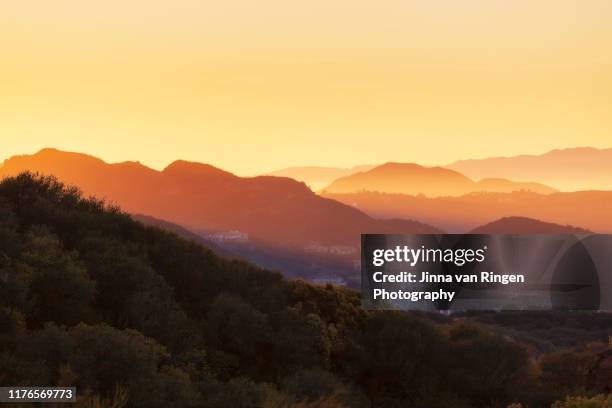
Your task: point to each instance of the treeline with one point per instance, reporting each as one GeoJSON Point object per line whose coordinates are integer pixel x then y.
{"type": "Point", "coordinates": [136, 316]}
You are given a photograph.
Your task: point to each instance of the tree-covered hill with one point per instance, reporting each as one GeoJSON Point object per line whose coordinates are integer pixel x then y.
{"type": "Point", "coordinates": [135, 316]}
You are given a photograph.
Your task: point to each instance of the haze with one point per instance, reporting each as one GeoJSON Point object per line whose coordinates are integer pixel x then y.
{"type": "Point", "coordinates": [257, 86]}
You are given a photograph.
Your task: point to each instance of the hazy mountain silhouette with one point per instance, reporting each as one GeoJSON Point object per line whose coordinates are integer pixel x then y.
{"type": "Point", "coordinates": [586, 209]}
{"type": "Point", "coordinates": [273, 209]}
{"type": "Point", "coordinates": [317, 177]}
{"type": "Point", "coordinates": [409, 178]}
{"type": "Point", "coordinates": [523, 225]}
{"type": "Point", "coordinates": [580, 168]}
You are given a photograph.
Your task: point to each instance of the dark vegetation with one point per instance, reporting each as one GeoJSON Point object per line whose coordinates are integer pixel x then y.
{"type": "Point", "coordinates": [294, 262]}
{"type": "Point", "coordinates": [549, 331]}
{"type": "Point", "coordinates": [136, 316]}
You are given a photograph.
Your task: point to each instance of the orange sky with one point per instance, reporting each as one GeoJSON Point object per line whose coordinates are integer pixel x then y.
{"type": "Point", "coordinates": [252, 86]}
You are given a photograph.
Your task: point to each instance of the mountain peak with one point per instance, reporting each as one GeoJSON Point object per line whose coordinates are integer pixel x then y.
{"type": "Point", "coordinates": [48, 150]}
{"type": "Point", "coordinates": [51, 153]}
{"type": "Point", "coordinates": [413, 168]}
{"type": "Point", "coordinates": [408, 178]}
{"type": "Point", "coordinates": [184, 167]}
{"type": "Point", "coordinates": [50, 157]}
{"type": "Point", "coordinates": [399, 166]}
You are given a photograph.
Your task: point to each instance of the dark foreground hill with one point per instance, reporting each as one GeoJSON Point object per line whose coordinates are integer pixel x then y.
{"type": "Point", "coordinates": [135, 316]}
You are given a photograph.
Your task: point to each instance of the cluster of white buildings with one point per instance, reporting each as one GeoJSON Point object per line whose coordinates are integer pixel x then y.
{"type": "Point", "coordinates": [331, 249]}
{"type": "Point", "coordinates": [228, 236]}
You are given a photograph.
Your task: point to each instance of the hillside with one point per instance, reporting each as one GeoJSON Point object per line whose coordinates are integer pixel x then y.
{"type": "Point", "coordinates": [136, 316]}
{"type": "Point", "coordinates": [272, 209]}
{"type": "Point", "coordinates": [409, 178]}
{"type": "Point", "coordinates": [183, 233]}
{"type": "Point", "coordinates": [584, 209]}
{"type": "Point", "coordinates": [580, 168]}
{"type": "Point", "coordinates": [294, 263]}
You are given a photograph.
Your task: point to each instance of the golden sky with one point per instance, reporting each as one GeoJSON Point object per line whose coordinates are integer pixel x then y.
{"type": "Point", "coordinates": [253, 86]}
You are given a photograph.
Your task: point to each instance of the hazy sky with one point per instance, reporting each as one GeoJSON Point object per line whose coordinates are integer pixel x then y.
{"type": "Point", "coordinates": [253, 86]}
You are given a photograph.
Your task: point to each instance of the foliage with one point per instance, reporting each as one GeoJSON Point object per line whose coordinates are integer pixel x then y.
{"type": "Point", "coordinates": [135, 316]}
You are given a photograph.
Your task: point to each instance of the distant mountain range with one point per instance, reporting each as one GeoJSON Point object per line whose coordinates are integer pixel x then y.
{"type": "Point", "coordinates": [294, 230]}
{"type": "Point", "coordinates": [410, 178]}
{"type": "Point", "coordinates": [584, 209]}
{"type": "Point", "coordinates": [318, 177]}
{"type": "Point", "coordinates": [581, 168]}
{"type": "Point", "coordinates": [572, 169]}
{"type": "Point", "coordinates": [327, 268]}
{"type": "Point", "coordinates": [272, 209]}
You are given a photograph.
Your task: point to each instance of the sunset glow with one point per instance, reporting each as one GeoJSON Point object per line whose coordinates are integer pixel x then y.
{"type": "Point", "coordinates": [256, 86]}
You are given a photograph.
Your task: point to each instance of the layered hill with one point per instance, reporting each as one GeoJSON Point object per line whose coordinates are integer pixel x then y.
{"type": "Point", "coordinates": [410, 178]}
{"type": "Point", "coordinates": [586, 209]}
{"type": "Point", "coordinates": [579, 168]}
{"type": "Point", "coordinates": [274, 209]}
{"type": "Point", "coordinates": [137, 317]}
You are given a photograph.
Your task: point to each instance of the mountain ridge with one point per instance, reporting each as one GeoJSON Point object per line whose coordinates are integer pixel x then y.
{"type": "Point", "coordinates": [577, 168]}
{"type": "Point", "coordinates": [585, 209]}
{"type": "Point", "coordinates": [412, 178]}
{"type": "Point", "coordinates": [198, 195]}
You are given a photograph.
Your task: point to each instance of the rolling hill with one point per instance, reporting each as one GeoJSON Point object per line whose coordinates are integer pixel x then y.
{"type": "Point", "coordinates": [410, 178]}
{"type": "Point", "coordinates": [196, 195]}
{"type": "Point", "coordinates": [587, 209]}
{"type": "Point", "coordinates": [135, 316]}
{"type": "Point", "coordinates": [580, 168]}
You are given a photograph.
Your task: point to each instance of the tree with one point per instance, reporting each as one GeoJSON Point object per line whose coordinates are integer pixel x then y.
{"type": "Point", "coordinates": [60, 289]}
{"type": "Point", "coordinates": [486, 367]}
{"type": "Point", "coordinates": [566, 371]}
